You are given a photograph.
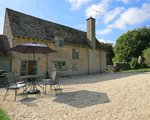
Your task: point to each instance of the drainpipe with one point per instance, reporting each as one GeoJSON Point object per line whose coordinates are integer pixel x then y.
{"type": "Point", "coordinates": [100, 60]}
{"type": "Point", "coordinates": [88, 61]}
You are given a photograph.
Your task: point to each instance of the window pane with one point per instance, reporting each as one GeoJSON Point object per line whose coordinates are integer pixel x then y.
{"type": "Point", "coordinates": [77, 55]}
{"type": "Point", "coordinates": [61, 42]}
{"type": "Point", "coordinates": [63, 65]}
{"type": "Point", "coordinates": [59, 65]}
{"type": "Point", "coordinates": [57, 42]}
{"type": "Point", "coordinates": [23, 65]}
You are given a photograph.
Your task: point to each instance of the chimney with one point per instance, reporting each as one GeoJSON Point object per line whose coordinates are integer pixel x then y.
{"type": "Point", "coordinates": [91, 31]}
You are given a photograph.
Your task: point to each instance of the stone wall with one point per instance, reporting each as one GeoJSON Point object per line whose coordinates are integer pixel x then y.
{"type": "Point", "coordinates": [103, 62]}
{"type": "Point", "coordinates": [7, 29]}
{"type": "Point", "coordinates": [94, 62]}
{"type": "Point", "coordinates": [122, 65]}
{"type": "Point", "coordinates": [63, 54]}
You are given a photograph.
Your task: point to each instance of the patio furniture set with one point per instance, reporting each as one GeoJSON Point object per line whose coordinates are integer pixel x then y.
{"type": "Point", "coordinates": [33, 81]}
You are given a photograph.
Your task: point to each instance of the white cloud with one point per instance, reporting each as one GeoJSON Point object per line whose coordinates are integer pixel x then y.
{"type": "Point", "coordinates": [102, 7]}
{"type": "Point", "coordinates": [75, 4]}
{"type": "Point", "coordinates": [101, 40]}
{"type": "Point", "coordinates": [125, 1]}
{"type": "Point", "coordinates": [80, 26]}
{"type": "Point", "coordinates": [106, 41]}
{"type": "Point", "coordinates": [112, 14]}
{"type": "Point", "coordinates": [132, 16]}
{"type": "Point", "coordinates": [103, 32]}
{"type": "Point", "coordinates": [69, 17]}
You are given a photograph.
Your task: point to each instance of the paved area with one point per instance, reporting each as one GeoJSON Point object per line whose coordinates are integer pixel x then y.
{"type": "Point", "coordinates": [107, 96]}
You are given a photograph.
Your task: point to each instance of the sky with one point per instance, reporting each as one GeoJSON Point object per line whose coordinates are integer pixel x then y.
{"type": "Point", "coordinates": [113, 17]}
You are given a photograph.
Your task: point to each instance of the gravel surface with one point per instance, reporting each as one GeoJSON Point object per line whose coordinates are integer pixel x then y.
{"type": "Point", "coordinates": [110, 96]}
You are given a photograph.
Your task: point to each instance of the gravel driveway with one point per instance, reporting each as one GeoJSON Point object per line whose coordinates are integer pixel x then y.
{"type": "Point", "coordinates": [91, 97]}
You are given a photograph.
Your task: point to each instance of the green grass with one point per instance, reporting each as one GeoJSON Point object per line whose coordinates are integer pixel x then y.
{"type": "Point", "coordinates": [3, 115]}
{"type": "Point", "coordinates": [138, 70]}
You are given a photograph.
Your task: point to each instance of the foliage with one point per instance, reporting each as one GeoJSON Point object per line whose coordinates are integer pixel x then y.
{"type": "Point", "coordinates": [109, 53]}
{"type": "Point", "coordinates": [134, 63]}
{"type": "Point", "coordinates": [131, 44]}
{"type": "Point", "coordinates": [2, 48]}
{"type": "Point", "coordinates": [3, 115]}
{"type": "Point", "coordinates": [146, 55]}
{"type": "Point", "coordinates": [111, 68]}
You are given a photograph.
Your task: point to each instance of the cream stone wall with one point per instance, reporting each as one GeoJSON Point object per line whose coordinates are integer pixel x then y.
{"type": "Point", "coordinates": [103, 61]}
{"type": "Point", "coordinates": [94, 61]}
{"type": "Point", "coordinates": [63, 54]}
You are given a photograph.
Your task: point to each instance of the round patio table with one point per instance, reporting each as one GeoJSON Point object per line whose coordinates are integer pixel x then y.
{"type": "Point", "coordinates": [33, 82]}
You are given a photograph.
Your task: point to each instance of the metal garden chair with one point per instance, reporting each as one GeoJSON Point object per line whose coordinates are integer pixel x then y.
{"type": "Point", "coordinates": [12, 84]}
{"type": "Point", "coordinates": [54, 80]}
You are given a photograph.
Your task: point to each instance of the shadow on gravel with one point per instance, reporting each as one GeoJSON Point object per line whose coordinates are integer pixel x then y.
{"type": "Point", "coordinates": [81, 99]}
{"type": "Point", "coordinates": [28, 101]}
{"type": "Point", "coordinates": [97, 77]}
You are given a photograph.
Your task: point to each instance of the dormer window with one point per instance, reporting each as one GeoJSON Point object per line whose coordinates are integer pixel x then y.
{"type": "Point", "coordinates": [59, 40]}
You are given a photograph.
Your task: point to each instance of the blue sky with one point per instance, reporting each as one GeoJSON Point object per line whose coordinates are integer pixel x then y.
{"type": "Point", "coordinates": [115, 18]}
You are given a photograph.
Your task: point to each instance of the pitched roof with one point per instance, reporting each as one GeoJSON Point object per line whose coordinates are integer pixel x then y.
{"type": "Point", "coordinates": [25, 25]}
{"type": "Point", "coordinates": [4, 45]}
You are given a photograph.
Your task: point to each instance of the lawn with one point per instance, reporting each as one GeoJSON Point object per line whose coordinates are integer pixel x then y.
{"type": "Point", "coordinates": [3, 115]}
{"type": "Point", "coordinates": [138, 70]}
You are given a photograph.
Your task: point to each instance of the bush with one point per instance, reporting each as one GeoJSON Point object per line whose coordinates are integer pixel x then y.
{"type": "Point", "coordinates": [134, 63]}
{"type": "Point", "coordinates": [111, 68]}
{"type": "Point", "coordinates": [145, 65]}
{"type": "Point", "coordinates": [146, 55]}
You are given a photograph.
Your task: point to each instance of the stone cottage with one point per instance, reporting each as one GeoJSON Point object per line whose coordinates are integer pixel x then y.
{"type": "Point", "coordinates": [78, 52]}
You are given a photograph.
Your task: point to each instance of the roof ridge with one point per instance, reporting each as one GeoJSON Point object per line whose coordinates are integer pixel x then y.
{"type": "Point", "coordinates": [44, 20]}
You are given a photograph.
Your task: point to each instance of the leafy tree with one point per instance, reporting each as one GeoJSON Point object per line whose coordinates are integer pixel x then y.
{"type": "Point", "coordinates": [131, 44]}
{"type": "Point", "coordinates": [146, 55]}
{"type": "Point", "coordinates": [109, 53]}
{"type": "Point", "coordinates": [3, 50]}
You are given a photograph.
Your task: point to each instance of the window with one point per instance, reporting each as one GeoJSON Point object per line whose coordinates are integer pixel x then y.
{"type": "Point", "coordinates": [58, 65]}
{"type": "Point", "coordinates": [23, 69]}
{"type": "Point", "coordinates": [75, 54]}
{"type": "Point", "coordinates": [59, 42]}
{"type": "Point", "coordinates": [74, 67]}
{"type": "Point", "coordinates": [28, 67]}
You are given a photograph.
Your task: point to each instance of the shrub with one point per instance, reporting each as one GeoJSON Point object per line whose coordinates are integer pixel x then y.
{"type": "Point", "coordinates": [146, 55]}
{"type": "Point", "coordinates": [111, 68]}
{"type": "Point", "coordinates": [145, 65]}
{"type": "Point", "coordinates": [134, 63]}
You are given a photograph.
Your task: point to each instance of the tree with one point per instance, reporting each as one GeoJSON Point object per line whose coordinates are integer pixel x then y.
{"type": "Point", "coordinates": [146, 55]}
{"type": "Point", "coordinates": [3, 50]}
{"type": "Point", "coordinates": [109, 53]}
{"type": "Point", "coordinates": [131, 44]}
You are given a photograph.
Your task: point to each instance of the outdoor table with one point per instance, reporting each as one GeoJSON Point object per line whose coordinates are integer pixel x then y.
{"type": "Point", "coordinates": [34, 83]}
